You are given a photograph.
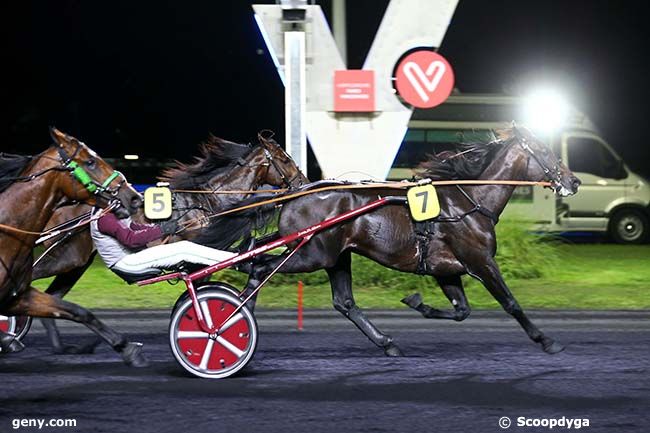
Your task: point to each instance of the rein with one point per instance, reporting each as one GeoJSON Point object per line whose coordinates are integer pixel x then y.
{"type": "Point", "coordinates": [232, 191]}
{"type": "Point", "coordinates": [56, 231]}
{"type": "Point", "coordinates": [387, 185]}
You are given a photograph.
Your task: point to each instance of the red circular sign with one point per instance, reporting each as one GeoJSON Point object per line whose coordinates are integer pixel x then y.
{"type": "Point", "coordinates": [424, 79]}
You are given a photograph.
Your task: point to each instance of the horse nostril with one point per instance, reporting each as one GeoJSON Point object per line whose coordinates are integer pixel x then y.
{"type": "Point", "coordinates": [136, 202]}
{"type": "Point", "coordinates": [576, 183]}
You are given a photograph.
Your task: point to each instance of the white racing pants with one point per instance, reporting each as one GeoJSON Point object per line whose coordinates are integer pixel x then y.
{"type": "Point", "coordinates": [169, 255]}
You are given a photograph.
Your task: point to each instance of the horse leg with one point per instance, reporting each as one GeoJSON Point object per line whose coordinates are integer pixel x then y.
{"type": "Point", "coordinates": [341, 281]}
{"type": "Point", "coordinates": [452, 287]}
{"type": "Point", "coordinates": [489, 275]}
{"type": "Point", "coordinates": [257, 270]}
{"type": "Point", "coordinates": [59, 288]}
{"type": "Point", "coordinates": [39, 304]}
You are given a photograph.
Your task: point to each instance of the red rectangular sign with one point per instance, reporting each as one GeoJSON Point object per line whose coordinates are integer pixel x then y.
{"type": "Point", "coordinates": [354, 91]}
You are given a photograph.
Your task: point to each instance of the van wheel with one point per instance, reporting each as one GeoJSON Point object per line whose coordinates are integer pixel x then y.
{"type": "Point", "coordinates": [629, 226]}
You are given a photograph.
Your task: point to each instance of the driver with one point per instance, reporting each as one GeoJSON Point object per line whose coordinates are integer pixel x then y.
{"type": "Point", "coordinates": [122, 245]}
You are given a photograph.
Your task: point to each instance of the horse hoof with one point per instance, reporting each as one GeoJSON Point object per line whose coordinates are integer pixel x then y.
{"type": "Point", "coordinates": [413, 301]}
{"type": "Point", "coordinates": [553, 347]}
{"type": "Point", "coordinates": [133, 356]}
{"type": "Point", "coordinates": [392, 350]}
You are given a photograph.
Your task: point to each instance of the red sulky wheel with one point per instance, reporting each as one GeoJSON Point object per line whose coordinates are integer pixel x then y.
{"type": "Point", "coordinates": [23, 325]}
{"type": "Point", "coordinates": [213, 356]}
{"type": "Point", "coordinates": [7, 324]}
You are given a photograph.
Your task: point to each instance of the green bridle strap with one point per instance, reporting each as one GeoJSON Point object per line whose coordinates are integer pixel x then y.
{"type": "Point", "coordinates": [110, 179]}
{"type": "Point", "coordinates": [84, 178]}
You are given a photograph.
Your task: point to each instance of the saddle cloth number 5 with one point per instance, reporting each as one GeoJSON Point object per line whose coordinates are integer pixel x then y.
{"type": "Point", "coordinates": [423, 202]}
{"type": "Point", "coordinates": [157, 203]}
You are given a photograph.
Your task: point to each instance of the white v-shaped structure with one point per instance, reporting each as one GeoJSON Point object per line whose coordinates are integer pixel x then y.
{"type": "Point", "coordinates": [357, 146]}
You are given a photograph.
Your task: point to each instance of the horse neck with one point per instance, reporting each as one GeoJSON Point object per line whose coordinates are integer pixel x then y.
{"type": "Point", "coordinates": [30, 205]}
{"type": "Point", "coordinates": [506, 165]}
{"type": "Point", "coordinates": [241, 177]}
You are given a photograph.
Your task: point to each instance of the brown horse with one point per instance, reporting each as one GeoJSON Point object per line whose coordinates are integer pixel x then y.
{"type": "Point", "coordinates": [222, 165]}
{"type": "Point", "coordinates": [461, 241]}
{"type": "Point", "coordinates": [68, 169]}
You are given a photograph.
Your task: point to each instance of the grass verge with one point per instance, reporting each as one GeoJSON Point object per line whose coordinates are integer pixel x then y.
{"type": "Point", "coordinates": [590, 276]}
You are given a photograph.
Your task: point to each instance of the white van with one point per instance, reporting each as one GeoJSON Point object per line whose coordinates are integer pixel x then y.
{"type": "Point", "coordinates": [611, 199]}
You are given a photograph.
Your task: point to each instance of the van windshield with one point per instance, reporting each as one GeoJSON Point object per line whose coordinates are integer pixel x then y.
{"type": "Point", "coordinates": [588, 155]}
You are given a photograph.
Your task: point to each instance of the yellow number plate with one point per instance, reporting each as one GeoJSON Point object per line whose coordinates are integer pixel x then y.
{"type": "Point", "coordinates": [423, 202]}
{"type": "Point", "coordinates": [157, 203]}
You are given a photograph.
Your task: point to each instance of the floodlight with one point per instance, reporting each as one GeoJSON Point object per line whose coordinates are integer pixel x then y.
{"type": "Point", "coordinates": [545, 110]}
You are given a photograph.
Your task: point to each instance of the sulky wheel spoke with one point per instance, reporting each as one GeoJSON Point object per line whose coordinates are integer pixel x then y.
{"type": "Point", "coordinates": [234, 349]}
{"type": "Point", "coordinates": [192, 334]}
{"type": "Point", "coordinates": [206, 313]}
{"type": "Point", "coordinates": [206, 355]}
{"type": "Point", "coordinates": [234, 319]}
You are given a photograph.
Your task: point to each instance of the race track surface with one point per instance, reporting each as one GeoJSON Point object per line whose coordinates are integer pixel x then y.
{"type": "Point", "coordinates": [457, 377]}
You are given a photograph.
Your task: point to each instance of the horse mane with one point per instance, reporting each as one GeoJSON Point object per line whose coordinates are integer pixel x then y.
{"type": "Point", "coordinates": [224, 231]}
{"type": "Point", "coordinates": [10, 168]}
{"type": "Point", "coordinates": [468, 162]}
{"type": "Point", "coordinates": [216, 156]}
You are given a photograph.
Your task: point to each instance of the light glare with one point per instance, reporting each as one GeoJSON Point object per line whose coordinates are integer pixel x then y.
{"type": "Point", "coordinates": [546, 110]}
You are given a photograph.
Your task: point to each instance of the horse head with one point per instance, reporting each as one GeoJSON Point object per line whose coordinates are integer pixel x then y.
{"type": "Point", "coordinates": [282, 170]}
{"type": "Point", "coordinates": [543, 165]}
{"type": "Point", "coordinates": [92, 180]}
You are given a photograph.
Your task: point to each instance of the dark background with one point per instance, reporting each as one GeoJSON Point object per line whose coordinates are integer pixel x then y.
{"type": "Point", "coordinates": [154, 77]}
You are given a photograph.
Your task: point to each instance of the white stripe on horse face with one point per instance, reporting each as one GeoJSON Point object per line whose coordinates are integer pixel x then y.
{"type": "Point", "coordinates": [90, 151]}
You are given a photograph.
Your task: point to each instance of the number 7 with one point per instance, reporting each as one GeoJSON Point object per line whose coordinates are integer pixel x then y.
{"type": "Point", "coordinates": [424, 194]}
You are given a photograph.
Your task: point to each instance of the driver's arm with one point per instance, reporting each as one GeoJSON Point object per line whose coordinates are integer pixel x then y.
{"type": "Point", "coordinates": [110, 225]}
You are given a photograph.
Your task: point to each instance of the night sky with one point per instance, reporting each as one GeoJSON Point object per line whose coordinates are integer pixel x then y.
{"type": "Point", "coordinates": [154, 77]}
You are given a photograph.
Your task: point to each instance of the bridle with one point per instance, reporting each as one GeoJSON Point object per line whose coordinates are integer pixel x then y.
{"type": "Point", "coordinates": [271, 162]}
{"type": "Point", "coordinates": [288, 183]}
{"type": "Point", "coordinates": [100, 189]}
{"type": "Point", "coordinates": [553, 174]}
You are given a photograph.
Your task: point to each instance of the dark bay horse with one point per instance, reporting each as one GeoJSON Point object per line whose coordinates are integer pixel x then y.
{"type": "Point", "coordinates": [461, 241]}
{"type": "Point", "coordinates": [222, 165]}
{"type": "Point", "coordinates": [32, 190]}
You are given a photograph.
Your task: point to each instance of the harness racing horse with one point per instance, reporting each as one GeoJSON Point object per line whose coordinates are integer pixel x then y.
{"type": "Point", "coordinates": [222, 165]}
{"type": "Point", "coordinates": [461, 241]}
{"type": "Point", "coordinates": [32, 189]}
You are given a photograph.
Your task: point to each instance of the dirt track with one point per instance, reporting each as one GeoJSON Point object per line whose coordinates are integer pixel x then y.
{"type": "Point", "coordinates": [456, 378]}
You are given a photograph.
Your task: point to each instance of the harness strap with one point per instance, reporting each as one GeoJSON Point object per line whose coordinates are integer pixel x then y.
{"type": "Point", "coordinates": [423, 231]}
{"type": "Point", "coordinates": [478, 208]}
{"type": "Point", "coordinates": [82, 176]}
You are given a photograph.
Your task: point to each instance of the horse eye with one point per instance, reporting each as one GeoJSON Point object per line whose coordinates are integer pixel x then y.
{"type": "Point", "coordinates": [91, 163]}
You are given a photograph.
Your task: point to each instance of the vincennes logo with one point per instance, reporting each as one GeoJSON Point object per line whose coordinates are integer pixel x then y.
{"type": "Point", "coordinates": [424, 78]}
{"type": "Point", "coordinates": [430, 79]}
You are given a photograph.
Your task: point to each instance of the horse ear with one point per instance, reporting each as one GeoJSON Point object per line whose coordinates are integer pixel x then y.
{"type": "Point", "coordinates": [59, 137]}
{"type": "Point", "coordinates": [265, 137]}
